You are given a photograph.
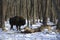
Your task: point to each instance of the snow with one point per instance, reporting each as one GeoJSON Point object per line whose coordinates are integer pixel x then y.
{"type": "Point", "coordinates": [14, 35]}
{"type": "Point", "coordinates": [33, 36]}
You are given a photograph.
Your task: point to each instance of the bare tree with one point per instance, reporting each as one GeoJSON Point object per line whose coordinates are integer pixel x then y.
{"type": "Point", "coordinates": [27, 13]}
{"type": "Point", "coordinates": [52, 12]}
{"type": "Point", "coordinates": [32, 11]}
{"type": "Point", "coordinates": [44, 7]}
{"type": "Point", "coordinates": [39, 9]}
{"type": "Point", "coordinates": [58, 13]}
{"type": "Point", "coordinates": [1, 22]}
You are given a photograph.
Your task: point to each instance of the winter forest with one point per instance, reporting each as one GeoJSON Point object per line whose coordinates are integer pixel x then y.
{"type": "Point", "coordinates": [29, 19]}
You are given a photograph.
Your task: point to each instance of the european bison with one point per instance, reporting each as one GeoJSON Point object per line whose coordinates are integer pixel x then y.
{"type": "Point", "coordinates": [18, 21]}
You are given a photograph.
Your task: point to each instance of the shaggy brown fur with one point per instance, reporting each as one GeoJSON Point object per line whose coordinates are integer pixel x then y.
{"type": "Point", "coordinates": [29, 30]}
{"type": "Point", "coordinates": [45, 27]}
{"type": "Point", "coordinates": [18, 21]}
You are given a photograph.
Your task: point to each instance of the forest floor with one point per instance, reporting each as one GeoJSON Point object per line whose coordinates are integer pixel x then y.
{"type": "Point", "coordinates": [15, 35]}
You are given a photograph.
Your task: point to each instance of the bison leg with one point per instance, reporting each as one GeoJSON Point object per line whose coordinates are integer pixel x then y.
{"type": "Point", "coordinates": [11, 27]}
{"type": "Point", "coordinates": [17, 27]}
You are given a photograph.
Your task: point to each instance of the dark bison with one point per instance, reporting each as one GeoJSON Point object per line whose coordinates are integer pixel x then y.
{"type": "Point", "coordinates": [18, 21]}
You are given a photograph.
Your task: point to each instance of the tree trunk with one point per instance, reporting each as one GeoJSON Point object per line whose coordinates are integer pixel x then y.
{"type": "Point", "coordinates": [32, 11]}
{"type": "Point", "coordinates": [27, 13]}
{"type": "Point", "coordinates": [44, 7]}
{"type": "Point", "coordinates": [1, 14]}
{"type": "Point", "coordinates": [58, 13]}
{"type": "Point", "coordinates": [39, 10]}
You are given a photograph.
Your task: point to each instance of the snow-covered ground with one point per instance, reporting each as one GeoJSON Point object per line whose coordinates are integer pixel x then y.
{"type": "Point", "coordinates": [14, 35]}
{"type": "Point", "coordinates": [33, 36]}
{"type": "Point", "coordinates": [11, 35]}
